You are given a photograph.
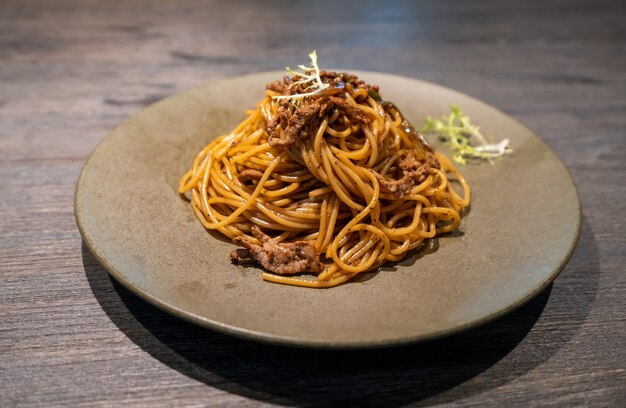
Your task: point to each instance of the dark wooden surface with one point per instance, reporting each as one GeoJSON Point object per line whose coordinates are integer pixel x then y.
{"type": "Point", "coordinates": [71, 70]}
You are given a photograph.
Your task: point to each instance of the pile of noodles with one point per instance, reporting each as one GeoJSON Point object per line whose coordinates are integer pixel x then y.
{"type": "Point", "coordinates": [331, 184]}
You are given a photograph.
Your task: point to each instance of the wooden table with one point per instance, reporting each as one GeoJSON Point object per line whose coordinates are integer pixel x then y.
{"type": "Point", "coordinates": [71, 70]}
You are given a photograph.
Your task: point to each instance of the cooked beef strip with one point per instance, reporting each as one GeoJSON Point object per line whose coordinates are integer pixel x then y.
{"type": "Point", "coordinates": [413, 173]}
{"type": "Point", "coordinates": [279, 86]}
{"type": "Point", "coordinates": [285, 258]}
{"type": "Point", "coordinates": [250, 174]}
{"type": "Point", "coordinates": [242, 256]}
{"type": "Point", "coordinates": [307, 111]}
{"type": "Point", "coordinates": [353, 112]}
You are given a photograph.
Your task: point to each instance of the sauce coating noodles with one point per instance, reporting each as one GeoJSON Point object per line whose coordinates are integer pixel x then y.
{"type": "Point", "coordinates": [361, 193]}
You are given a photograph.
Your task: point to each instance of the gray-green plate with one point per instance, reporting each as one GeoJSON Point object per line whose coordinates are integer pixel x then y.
{"type": "Point", "coordinates": [521, 230]}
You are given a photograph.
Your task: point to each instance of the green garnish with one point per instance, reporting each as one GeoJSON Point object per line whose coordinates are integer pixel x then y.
{"type": "Point", "coordinates": [374, 94]}
{"type": "Point", "coordinates": [456, 130]}
{"type": "Point", "coordinates": [309, 79]}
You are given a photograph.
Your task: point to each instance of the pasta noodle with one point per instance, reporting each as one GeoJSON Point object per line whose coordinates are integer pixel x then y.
{"type": "Point", "coordinates": [355, 187]}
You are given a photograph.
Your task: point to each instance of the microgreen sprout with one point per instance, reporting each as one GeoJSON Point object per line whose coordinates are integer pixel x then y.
{"type": "Point", "coordinates": [456, 130]}
{"type": "Point", "coordinates": [309, 79]}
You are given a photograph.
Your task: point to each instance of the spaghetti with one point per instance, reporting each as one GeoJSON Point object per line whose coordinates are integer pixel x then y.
{"type": "Point", "coordinates": [325, 178]}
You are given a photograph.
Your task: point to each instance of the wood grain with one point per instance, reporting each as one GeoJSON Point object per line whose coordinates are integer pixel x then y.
{"type": "Point", "coordinates": [70, 71]}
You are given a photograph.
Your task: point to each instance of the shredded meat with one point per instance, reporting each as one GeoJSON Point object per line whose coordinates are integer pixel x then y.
{"type": "Point", "coordinates": [250, 174]}
{"type": "Point", "coordinates": [279, 86]}
{"type": "Point", "coordinates": [299, 121]}
{"type": "Point", "coordinates": [353, 112]}
{"type": "Point", "coordinates": [347, 80]}
{"type": "Point", "coordinates": [242, 256]}
{"type": "Point", "coordinates": [285, 258]}
{"type": "Point", "coordinates": [296, 122]}
{"type": "Point", "coordinates": [413, 173]}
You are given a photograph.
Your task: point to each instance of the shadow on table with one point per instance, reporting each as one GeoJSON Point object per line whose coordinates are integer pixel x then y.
{"type": "Point", "coordinates": [434, 372]}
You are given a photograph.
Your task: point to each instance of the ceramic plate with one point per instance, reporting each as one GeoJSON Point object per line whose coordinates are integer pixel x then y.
{"type": "Point", "coordinates": [520, 232]}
